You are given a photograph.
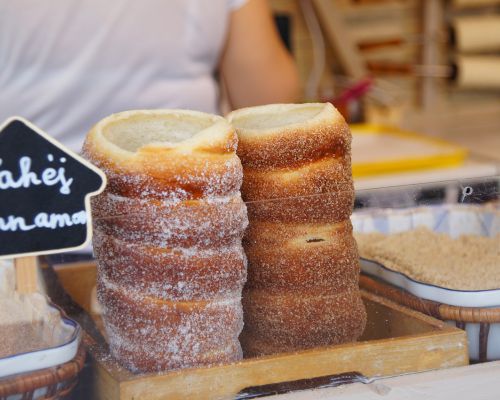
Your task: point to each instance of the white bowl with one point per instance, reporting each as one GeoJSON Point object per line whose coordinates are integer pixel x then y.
{"type": "Point", "coordinates": [44, 358]}
{"type": "Point", "coordinates": [454, 220]}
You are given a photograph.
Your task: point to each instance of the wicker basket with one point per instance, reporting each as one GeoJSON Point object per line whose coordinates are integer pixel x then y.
{"type": "Point", "coordinates": [460, 315]}
{"type": "Point", "coordinates": [45, 384]}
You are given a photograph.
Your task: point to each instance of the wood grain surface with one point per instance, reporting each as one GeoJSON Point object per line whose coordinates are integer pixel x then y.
{"type": "Point", "coordinates": [397, 340]}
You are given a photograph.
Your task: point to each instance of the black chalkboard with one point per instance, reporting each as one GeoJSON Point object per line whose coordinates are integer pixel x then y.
{"type": "Point", "coordinates": [44, 192]}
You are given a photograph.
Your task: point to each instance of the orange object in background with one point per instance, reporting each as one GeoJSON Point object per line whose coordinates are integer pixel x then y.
{"type": "Point", "coordinates": [351, 94]}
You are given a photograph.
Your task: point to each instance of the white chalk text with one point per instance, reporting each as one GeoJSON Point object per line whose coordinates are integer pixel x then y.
{"type": "Point", "coordinates": [14, 223]}
{"type": "Point", "coordinates": [26, 177]}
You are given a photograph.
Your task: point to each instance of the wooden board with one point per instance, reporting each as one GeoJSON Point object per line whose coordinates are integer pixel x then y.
{"type": "Point", "coordinates": [397, 340]}
{"type": "Point", "coordinates": [26, 274]}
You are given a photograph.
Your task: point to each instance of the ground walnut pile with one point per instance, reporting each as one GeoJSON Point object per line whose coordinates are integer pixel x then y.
{"type": "Point", "coordinates": [468, 262]}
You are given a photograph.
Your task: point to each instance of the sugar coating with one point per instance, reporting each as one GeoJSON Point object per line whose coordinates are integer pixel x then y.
{"type": "Point", "coordinates": [319, 258]}
{"type": "Point", "coordinates": [186, 181]}
{"type": "Point", "coordinates": [154, 315]}
{"type": "Point", "coordinates": [171, 267]}
{"type": "Point", "coordinates": [140, 269]}
{"type": "Point", "coordinates": [332, 317]}
{"type": "Point", "coordinates": [216, 221]}
{"type": "Point", "coordinates": [328, 207]}
{"type": "Point", "coordinates": [183, 302]}
{"type": "Point", "coordinates": [328, 174]}
{"type": "Point", "coordinates": [295, 146]}
{"type": "Point", "coordinates": [171, 273]}
{"type": "Point", "coordinates": [301, 255]}
{"type": "Point", "coordinates": [141, 328]}
{"type": "Point", "coordinates": [302, 290]}
{"type": "Point", "coordinates": [155, 360]}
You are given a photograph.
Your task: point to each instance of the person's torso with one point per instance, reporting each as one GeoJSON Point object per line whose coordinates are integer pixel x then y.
{"type": "Point", "coordinates": [67, 63]}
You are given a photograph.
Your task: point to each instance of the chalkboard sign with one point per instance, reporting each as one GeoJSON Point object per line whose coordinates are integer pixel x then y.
{"type": "Point", "coordinates": [45, 191]}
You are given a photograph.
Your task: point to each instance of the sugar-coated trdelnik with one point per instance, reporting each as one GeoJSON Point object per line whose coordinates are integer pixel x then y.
{"type": "Point", "coordinates": [303, 270]}
{"type": "Point", "coordinates": [167, 238]}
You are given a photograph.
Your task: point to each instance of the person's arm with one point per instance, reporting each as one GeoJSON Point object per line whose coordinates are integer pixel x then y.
{"type": "Point", "coordinates": [256, 67]}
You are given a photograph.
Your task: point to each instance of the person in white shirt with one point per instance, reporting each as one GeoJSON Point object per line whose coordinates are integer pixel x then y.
{"type": "Point", "coordinates": [65, 64]}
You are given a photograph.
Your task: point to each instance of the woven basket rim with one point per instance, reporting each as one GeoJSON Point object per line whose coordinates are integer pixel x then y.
{"type": "Point", "coordinates": [435, 309]}
{"type": "Point", "coordinates": [30, 381]}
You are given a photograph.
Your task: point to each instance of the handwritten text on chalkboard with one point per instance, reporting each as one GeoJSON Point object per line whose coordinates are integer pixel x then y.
{"type": "Point", "coordinates": [48, 177]}
{"type": "Point", "coordinates": [44, 192]}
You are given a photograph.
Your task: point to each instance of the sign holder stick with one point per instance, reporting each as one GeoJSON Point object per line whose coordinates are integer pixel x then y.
{"type": "Point", "coordinates": [26, 274]}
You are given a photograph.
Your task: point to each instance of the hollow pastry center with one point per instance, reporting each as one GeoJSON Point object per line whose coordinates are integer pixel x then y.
{"type": "Point", "coordinates": [133, 133]}
{"type": "Point", "coordinates": [276, 118]}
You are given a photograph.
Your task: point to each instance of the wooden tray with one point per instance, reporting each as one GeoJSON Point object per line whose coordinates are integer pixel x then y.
{"type": "Point", "coordinates": [397, 340]}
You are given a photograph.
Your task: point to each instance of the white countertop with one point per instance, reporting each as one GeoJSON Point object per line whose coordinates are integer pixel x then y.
{"type": "Point", "coordinates": [476, 382]}
{"type": "Point", "coordinates": [475, 128]}
{"type": "Point", "coordinates": [469, 170]}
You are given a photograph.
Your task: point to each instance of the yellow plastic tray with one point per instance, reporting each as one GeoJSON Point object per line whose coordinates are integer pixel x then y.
{"type": "Point", "coordinates": [379, 149]}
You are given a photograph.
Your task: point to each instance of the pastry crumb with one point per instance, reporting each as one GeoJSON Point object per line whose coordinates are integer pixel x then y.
{"type": "Point", "coordinates": [469, 262]}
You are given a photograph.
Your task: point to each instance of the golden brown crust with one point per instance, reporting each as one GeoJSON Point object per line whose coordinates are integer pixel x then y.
{"type": "Point", "coordinates": [204, 165]}
{"type": "Point", "coordinates": [168, 234]}
{"type": "Point", "coordinates": [321, 191]}
{"type": "Point", "coordinates": [203, 223]}
{"type": "Point", "coordinates": [204, 321]}
{"type": "Point", "coordinates": [209, 179]}
{"type": "Point", "coordinates": [256, 346]}
{"type": "Point", "coordinates": [154, 360]}
{"type": "Point", "coordinates": [279, 151]}
{"type": "Point", "coordinates": [171, 273]}
{"type": "Point", "coordinates": [321, 176]}
{"type": "Point", "coordinates": [293, 258]}
{"type": "Point", "coordinates": [324, 133]}
{"type": "Point", "coordinates": [173, 327]}
{"type": "Point", "coordinates": [302, 318]}
{"type": "Point", "coordinates": [302, 289]}
{"type": "Point", "coordinates": [291, 235]}
{"type": "Point", "coordinates": [323, 208]}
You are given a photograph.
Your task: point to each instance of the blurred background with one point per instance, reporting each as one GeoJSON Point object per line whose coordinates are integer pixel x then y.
{"type": "Point", "coordinates": [434, 58]}
{"type": "Point", "coordinates": [419, 82]}
{"type": "Point", "coordinates": [431, 67]}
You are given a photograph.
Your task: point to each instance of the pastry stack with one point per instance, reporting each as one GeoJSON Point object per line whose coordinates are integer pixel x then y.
{"type": "Point", "coordinates": [167, 238]}
{"type": "Point", "coordinates": [302, 289]}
